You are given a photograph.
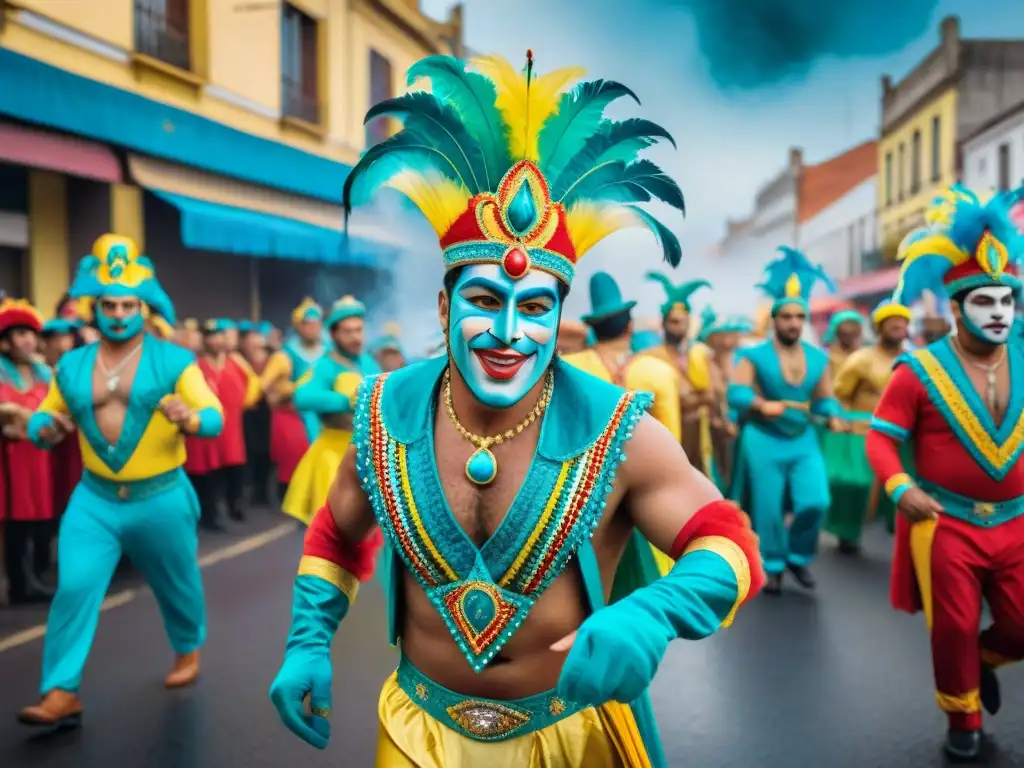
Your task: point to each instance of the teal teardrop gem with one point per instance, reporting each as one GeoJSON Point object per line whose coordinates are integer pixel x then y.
{"type": "Point", "coordinates": [522, 213]}
{"type": "Point", "coordinates": [481, 467]}
{"type": "Point", "coordinates": [479, 609]}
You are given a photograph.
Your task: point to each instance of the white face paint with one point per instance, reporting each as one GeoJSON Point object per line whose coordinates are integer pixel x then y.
{"type": "Point", "coordinates": [989, 313]}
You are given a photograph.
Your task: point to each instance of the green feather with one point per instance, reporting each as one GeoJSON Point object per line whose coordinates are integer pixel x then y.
{"type": "Point", "coordinates": [671, 249]}
{"type": "Point", "coordinates": [666, 284]}
{"type": "Point", "coordinates": [634, 183]}
{"type": "Point", "coordinates": [579, 115]}
{"type": "Point", "coordinates": [438, 124]}
{"type": "Point", "coordinates": [613, 141]}
{"type": "Point", "coordinates": [473, 96]}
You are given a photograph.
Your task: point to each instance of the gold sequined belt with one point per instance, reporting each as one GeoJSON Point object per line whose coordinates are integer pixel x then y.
{"type": "Point", "coordinates": [482, 719]}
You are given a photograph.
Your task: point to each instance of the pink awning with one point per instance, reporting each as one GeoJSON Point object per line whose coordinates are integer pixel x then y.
{"type": "Point", "coordinates": [54, 152]}
{"type": "Point", "coordinates": [879, 281]}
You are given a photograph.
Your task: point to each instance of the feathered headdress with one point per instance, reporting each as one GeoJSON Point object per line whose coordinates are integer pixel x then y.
{"type": "Point", "coordinates": [307, 310]}
{"type": "Point", "coordinates": [18, 313]}
{"type": "Point", "coordinates": [511, 168]}
{"type": "Point", "coordinates": [888, 308]}
{"type": "Point", "coordinates": [116, 268]}
{"type": "Point", "coordinates": [791, 278]}
{"type": "Point", "coordinates": [966, 244]}
{"type": "Point", "coordinates": [676, 294]}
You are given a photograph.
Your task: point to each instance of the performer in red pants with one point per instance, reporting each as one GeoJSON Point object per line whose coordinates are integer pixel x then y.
{"type": "Point", "coordinates": [960, 531]}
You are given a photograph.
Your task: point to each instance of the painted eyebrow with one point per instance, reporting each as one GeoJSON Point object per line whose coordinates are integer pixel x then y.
{"type": "Point", "coordinates": [532, 294]}
{"type": "Point", "coordinates": [485, 284]}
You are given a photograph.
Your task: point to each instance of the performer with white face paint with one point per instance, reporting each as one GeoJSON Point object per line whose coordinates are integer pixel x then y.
{"type": "Point", "coordinates": [495, 470]}
{"type": "Point", "coordinates": [960, 531]}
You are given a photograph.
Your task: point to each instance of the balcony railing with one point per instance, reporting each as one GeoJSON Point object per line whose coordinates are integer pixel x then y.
{"type": "Point", "coordinates": [296, 103]}
{"type": "Point", "coordinates": [157, 37]}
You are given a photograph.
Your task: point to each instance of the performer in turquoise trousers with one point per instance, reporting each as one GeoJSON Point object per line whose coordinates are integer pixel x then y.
{"type": "Point", "coordinates": [132, 398]}
{"type": "Point", "coordinates": [778, 387]}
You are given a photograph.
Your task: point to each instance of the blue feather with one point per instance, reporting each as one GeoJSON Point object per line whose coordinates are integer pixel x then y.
{"type": "Point", "coordinates": [792, 262]}
{"type": "Point", "coordinates": [473, 96]}
{"type": "Point", "coordinates": [637, 182]}
{"type": "Point", "coordinates": [439, 125]}
{"type": "Point", "coordinates": [671, 249]}
{"type": "Point", "coordinates": [613, 141]}
{"type": "Point", "coordinates": [580, 112]}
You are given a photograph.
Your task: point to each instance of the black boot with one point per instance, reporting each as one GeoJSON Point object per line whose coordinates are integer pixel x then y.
{"type": "Point", "coordinates": [963, 745]}
{"type": "Point", "coordinates": [991, 698]}
{"type": "Point", "coordinates": [773, 584]}
{"type": "Point", "coordinates": [851, 548]}
{"type": "Point", "coordinates": [803, 575]}
{"type": "Point", "coordinates": [234, 492]}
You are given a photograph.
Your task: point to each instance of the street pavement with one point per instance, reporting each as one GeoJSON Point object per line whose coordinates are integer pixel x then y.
{"type": "Point", "coordinates": [834, 678]}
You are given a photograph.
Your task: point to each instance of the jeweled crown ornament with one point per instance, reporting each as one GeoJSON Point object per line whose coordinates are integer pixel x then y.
{"type": "Point", "coordinates": [515, 168]}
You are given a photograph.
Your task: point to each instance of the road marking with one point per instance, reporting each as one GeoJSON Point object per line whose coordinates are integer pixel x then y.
{"type": "Point", "coordinates": [128, 595]}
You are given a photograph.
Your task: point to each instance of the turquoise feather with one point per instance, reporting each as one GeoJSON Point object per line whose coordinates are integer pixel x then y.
{"type": "Point", "coordinates": [792, 262]}
{"type": "Point", "coordinates": [613, 141]}
{"type": "Point", "coordinates": [474, 97]}
{"type": "Point", "coordinates": [638, 182]}
{"type": "Point", "coordinates": [440, 125]}
{"type": "Point", "coordinates": [671, 249]}
{"type": "Point", "coordinates": [580, 113]}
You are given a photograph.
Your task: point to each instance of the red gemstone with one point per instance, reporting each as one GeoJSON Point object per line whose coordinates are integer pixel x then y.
{"type": "Point", "coordinates": [516, 262]}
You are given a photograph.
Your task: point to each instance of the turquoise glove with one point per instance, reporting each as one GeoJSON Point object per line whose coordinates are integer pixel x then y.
{"type": "Point", "coordinates": [618, 649]}
{"type": "Point", "coordinates": [317, 610]}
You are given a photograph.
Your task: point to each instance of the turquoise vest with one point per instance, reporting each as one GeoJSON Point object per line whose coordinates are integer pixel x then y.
{"type": "Point", "coordinates": [302, 362]}
{"type": "Point", "coordinates": [772, 386]}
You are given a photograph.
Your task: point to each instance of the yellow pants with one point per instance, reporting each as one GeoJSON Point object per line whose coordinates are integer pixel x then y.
{"type": "Point", "coordinates": [307, 490]}
{"type": "Point", "coordinates": [606, 737]}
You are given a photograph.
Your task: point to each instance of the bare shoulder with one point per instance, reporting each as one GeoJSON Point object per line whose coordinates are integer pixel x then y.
{"type": "Point", "coordinates": [651, 454]}
{"type": "Point", "coordinates": [348, 501]}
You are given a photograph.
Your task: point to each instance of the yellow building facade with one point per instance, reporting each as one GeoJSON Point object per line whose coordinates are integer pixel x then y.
{"type": "Point", "coordinates": [297, 75]}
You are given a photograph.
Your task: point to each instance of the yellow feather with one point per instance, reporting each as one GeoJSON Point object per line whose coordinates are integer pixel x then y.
{"type": "Point", "coordinates": [589, 223]}
{"type": "Point", "coordinates": [935, 245]}
{"type": "Point", "coordinates": [524, 120]}
{"type": "Point", "coordinates": [793, 286]}
{"type": "Point", "coordinates": [439, 198]}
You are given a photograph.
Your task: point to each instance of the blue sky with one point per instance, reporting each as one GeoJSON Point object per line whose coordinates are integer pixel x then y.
{"type": "Point", "coordinates": [730, 140]}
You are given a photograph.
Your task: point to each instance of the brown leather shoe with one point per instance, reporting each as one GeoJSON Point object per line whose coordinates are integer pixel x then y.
{"type": "Point", "coordinates": [184, 672]}
{"type": "Point", "coordinates": [59, 709]}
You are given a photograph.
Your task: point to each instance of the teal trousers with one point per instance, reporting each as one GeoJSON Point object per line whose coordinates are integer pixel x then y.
{"type": "Point", "coordinates": [158, 534]}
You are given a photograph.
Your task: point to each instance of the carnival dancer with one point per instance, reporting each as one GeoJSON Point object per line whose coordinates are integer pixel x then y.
{"type": "Point", "coordinates": [59, 338]}
{"type": "Point", "coordinates": [777, 388]}
{"type": "Point", "coordinates": [858, 385]}
{"type": "Point", "coordinates": [329, 391]}
{"type": "Point", "coordinates": [26, 488]}
{"type": "Point", "coordinates": [132, 397]}
{"type": "Point", "coordinates": [252, 345]}
{"type": "Point", "coordinates": [843, 337]}
{"type": "Point", "coordinates": [492, 564]}
{"type": "Point", "coordinates": [387, 350]}
{"type": "Point", "coordinates": [292, 432]}
{"type": "Point", "coordinates": [960, 532]}
{"type": "Point", "coordinates": [216, 466]}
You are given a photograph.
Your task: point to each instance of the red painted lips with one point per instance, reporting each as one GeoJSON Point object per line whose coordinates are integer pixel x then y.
{"type": "Point", "coordinates": [500, 364]}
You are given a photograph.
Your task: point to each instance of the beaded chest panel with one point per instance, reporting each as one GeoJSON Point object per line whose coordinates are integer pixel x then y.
{"type": "Point", "coordinates": [485, 593]}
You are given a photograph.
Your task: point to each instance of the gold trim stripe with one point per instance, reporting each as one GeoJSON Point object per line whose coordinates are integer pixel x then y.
{"type": "Point", "coordinates": [417, 520]}
{"type": "Point", "coordinates": [538, 529]}
{"type": "Point", "coordinates": [894, 482]}
{"type": "Point", "coordinates": [332, 573]}
{"type": "Point", "coordinates": [735, 557]}
{"type": "Point", "coordinates": [963, 703]}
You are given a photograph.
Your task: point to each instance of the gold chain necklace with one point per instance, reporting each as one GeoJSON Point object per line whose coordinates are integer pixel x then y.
{"type": "Point", "coordinates": [482, 466]}
{"type": "Point", "coordinates": [989, 370]}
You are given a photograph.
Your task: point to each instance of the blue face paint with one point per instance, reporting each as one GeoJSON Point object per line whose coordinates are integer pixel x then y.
{"type": "Point", "coordinates": [128, 327]}
{"type": "Point", "coordinates": [502, 331]}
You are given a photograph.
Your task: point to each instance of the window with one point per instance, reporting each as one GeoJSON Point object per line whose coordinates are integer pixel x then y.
{"type": "Point", "coordinates": [1004, 167]}
{"type": "Point", "coordinates": [936, 148]}
{"type": "Point", "coordinates": [161, 31]}
{"type": "Point", "coordinates": [380, 90]}
{"type": "Point", "coordinates": [901, 163]}
{"type": "Point", "coordinates": [915, 163]}
{"type": "Point", "coordinates": [300, 91]}
{"type": "Point", "coordinates": [888, 178]}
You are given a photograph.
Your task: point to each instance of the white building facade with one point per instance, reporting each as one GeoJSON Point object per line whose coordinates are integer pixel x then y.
{"type": "Point", "coordinates": [993, 157]}
{"type": "Point", "coordinates": [839, 235]}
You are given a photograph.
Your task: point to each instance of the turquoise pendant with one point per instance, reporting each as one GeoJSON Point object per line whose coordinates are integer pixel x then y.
{"type": "Point", "coordinates": [482, 467]}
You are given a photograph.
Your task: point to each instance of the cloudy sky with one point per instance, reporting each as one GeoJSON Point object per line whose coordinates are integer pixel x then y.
{"type": "Point", "coordinates": [737, 82]}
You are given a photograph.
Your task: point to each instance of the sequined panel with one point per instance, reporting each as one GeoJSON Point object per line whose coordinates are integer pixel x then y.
{"type": "Point", "coordinates": [480, 612]}
{"type": "Point", "coordinates": [487, 720]}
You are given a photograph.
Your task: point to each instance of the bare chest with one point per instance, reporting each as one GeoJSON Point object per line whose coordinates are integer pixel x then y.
{"type": "Point", "coordinates": [112, 383]}
{"type": "Point", "coordinates": [993, 386]}
{"type": "Point", "coordinates": [793, 366]}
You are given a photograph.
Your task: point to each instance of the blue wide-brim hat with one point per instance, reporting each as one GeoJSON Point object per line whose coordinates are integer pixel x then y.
{"type": "Point", "coordinates": [605, 299]}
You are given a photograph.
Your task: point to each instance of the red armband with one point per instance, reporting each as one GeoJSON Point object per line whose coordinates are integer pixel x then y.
{"type": "Point", "coordinates": [324, 542]}
{"type": "Point", "coordinates": [722, 527]}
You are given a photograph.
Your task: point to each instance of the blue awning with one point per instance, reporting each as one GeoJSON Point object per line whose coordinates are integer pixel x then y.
{"type": "Point", "coordinates": [39, 93]}
{"type": "Point", "coordinates": [215, 227]}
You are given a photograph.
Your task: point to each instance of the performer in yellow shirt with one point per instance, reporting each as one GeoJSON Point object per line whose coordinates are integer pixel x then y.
{"type": "Point", "coordinates": [133, 398]}
{"type": "Point", "coordinates": [611, 360]}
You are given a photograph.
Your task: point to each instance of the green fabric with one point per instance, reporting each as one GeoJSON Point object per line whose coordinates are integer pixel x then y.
{"type": "Point", "coordinates": [605, 298]}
